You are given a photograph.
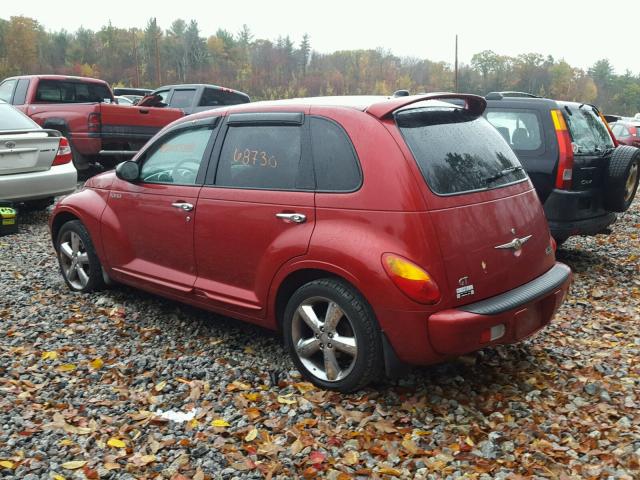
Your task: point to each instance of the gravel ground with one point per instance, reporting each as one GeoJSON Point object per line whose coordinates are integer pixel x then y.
{"type": "Point", "coordinates": [84, 380]}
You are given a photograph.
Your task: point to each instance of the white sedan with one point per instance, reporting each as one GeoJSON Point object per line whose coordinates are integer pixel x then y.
{"type": "Point", "coordinates": [35, 164]}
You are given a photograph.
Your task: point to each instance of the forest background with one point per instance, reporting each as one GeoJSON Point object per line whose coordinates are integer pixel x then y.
{"type": "Point", "coordinates": [282, 68]}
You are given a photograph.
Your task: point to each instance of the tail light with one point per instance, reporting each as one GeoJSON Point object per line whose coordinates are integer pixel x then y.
{"type": "Point", "coordinates": [412, 280]}
{"type": "Point", "coordinates": [565, 157]}
{"type": "Point", "coordinates": [64, 153]}
{"type": "Point", "coordinates": [94, 123]}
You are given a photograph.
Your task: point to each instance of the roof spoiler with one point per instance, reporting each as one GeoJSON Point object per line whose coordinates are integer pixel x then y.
{"type": "Point", "coordinates": [474, 104]}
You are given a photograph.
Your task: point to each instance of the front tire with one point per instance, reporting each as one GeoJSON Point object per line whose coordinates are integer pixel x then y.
{"type": "Point", "coordinates": [333, 336]}
{"type": "Point", "coordinates": [77, 258]}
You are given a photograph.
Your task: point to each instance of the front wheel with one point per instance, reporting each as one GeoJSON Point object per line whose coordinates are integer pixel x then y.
{"type": "Point", "coordinates": [77, 258]}
{"type": "Point", "coordinates": [333, 336]}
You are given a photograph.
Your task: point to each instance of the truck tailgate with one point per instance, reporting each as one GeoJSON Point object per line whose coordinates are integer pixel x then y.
{"type": "Point", "coordinates": [135, 123]}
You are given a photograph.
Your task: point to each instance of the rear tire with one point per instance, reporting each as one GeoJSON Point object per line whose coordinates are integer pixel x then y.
{"type": "Point", "coordinates": [79, 264]}
{"type": "Point", "coordinates": [622, 177]}
{"type": "Point", "coordinates": [333, 336]}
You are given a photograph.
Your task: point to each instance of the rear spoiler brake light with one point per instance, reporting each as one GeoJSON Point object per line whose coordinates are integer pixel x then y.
{"type": "Point", "coordinates": [474, 104]}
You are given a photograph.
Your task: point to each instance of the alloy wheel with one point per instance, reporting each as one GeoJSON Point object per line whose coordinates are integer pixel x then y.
{"type": "Point", "coordinates": [74, 260]}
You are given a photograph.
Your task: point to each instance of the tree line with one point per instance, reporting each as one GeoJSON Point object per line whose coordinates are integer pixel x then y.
{"type": "Point", "coordinates": [281, 68]}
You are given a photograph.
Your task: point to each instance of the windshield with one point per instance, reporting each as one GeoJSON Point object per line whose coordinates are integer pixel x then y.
{"type": "Point", "coordinates": [588, 134]}
{"type": "Point", "coordinates": [458, 152]}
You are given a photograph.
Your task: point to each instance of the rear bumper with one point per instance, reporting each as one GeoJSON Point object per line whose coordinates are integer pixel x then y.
{"type": "Point", "coordinates": [21, 187]}
{"type": "Point", "coordinates": [512, 316]}
{"type": "Point", "coordinates": [576, 213]}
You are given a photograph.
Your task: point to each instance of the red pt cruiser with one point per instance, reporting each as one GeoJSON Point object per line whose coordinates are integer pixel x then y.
{"type": "Point", "coordinates": [370, 231]}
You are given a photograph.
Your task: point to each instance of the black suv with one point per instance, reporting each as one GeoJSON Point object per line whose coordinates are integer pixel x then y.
{"type": "Point", "coordinates": [579, 172]}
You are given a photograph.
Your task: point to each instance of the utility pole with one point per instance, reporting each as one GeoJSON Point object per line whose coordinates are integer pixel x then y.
{"type": "Point", "coordinates": [456, 67]}
{"type": "Point", "coordinates": [135, 54]}
{"type": "Point", "coordinates": [158, 77]}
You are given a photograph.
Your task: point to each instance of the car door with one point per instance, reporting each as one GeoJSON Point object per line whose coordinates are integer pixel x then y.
{"type": "Point", "coordinates": [256, 213]}
{"type": "Point", "coordinates": [147, 228]}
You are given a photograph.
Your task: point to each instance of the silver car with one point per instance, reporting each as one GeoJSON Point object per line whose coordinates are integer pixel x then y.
{"type": "Point", "coordinates": [35, 164]}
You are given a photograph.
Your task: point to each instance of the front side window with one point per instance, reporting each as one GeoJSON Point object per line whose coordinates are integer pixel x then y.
{"type": "Point", "coordinates": [182, 98]}
{"type": "Point", "coordinates": [265, 157]}
{"type": "Point", "coordinates": [520, 128]}
{"type": "Point", "coordinates": [177, 157]}
{"type": "Point", "coordinates": [458, 152]}
{"type": "Point", "coordinates": [6, 90]}
{"type": "Point", "coordinates": [588, 134]}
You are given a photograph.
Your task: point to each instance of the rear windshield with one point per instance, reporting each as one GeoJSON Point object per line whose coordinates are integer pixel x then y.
{"type": "Point", "coordinates": [12, 119]}
{"type": "Point", "coordinates": [588, 134]}
{"type": "Point", "coordinates": [57, 91]}
{"type": "Point", "coordinates": [212, 97]}
{"type": "Point", "coordinates": [458, 152]}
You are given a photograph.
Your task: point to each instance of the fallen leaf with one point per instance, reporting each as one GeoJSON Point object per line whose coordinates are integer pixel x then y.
{"type": "Point", "coordinates": [111, 466]}
{"type": "Point", "coordinates": [160, 385]}
{"type": "Point", "coordinates": [220, 423]}
{"type": "Point", "coordinates": [253, 396]}
{"type": "Point", "coordinates": [7, 464]}
{"type": "Point", "coordinates": [52, 355]}
{"type": "Point", "coordinates": [97, 363]}
{"type": "Point", "coordinates": [389, 471]}
{"type": "Point", "coordinates": [316, 457]}
{"type": "Point", "coordinates": [304, 387]}
{"type": "Point", "coordinates": [58, 477]}
{"type": "Point", "coordinates": [409, 445]}
{"type": "Point", "coordinates": [74, 465]}
{"type": "Point", "coordinates": [251, 436]}
{"type": "Point", "coordinates": [67, 367]}
{"type": "Point", "coordinates": [145, 459]}
{"type": "Point", "coordinates": [285, 399]}
{"type": "Point", "coordinates": [351, 457]}
{"type": "Point", "coordinates": [116, 443]}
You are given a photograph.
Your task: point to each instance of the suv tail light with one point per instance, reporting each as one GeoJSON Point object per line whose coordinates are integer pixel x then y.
{"type": "Point", "coordinates": [412, 280]}
{"type": "Point", "coordinates": [565, 157]}
{"type": "Point", "coordinates": [64, 153]}
{"type": "Point", "coordinates": [94, 122]}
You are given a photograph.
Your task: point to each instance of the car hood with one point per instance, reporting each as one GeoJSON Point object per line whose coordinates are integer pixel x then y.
{"type": "Point", "coordinates": [102, 181]}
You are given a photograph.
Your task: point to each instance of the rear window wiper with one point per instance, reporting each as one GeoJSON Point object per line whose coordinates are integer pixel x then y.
{"type": "Point", "coordinates": [502, 173]}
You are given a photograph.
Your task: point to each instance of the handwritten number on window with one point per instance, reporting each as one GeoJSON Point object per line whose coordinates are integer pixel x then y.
{"type": "Point", "coordinates": [255, 157]}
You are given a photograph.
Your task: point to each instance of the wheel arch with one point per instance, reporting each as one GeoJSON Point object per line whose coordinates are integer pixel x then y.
{"type": "Point", "coordinates": [58, 221]}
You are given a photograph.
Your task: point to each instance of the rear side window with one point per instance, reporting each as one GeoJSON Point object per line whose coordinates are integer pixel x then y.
{"type": "Point", "coordinates": [588, 133]}
{"type": "Point", "coordinates": [458, 152]}
{"type": "Point", "coordinates": [334, 158]}
{"type": "Point", "coordinates": [520, 128]}
{"type": "Point", "coordinates": [6, 90]}
{"type": "Point", "coordinates": [266, 157]}
{"type": "Point", "coordinates": [56, 91]}
{"type": "Point", "coordinates": [21, 92]}
{"type": "Point", "coordinates": [212, 97]}
{"type": "Point", "coordinates": [182, 98]}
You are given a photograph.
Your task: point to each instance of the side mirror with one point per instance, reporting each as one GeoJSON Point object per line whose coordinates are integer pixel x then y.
{"type": "Point", "coordinates": [128, 171]}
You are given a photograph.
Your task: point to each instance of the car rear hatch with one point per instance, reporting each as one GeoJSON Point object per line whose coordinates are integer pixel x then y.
{"type": "Point", "coordinates": [489, 222]}
{"type": "Point", "coordinates": [591, 145]}
{"type": "Point", "coordinates": [27, 151]}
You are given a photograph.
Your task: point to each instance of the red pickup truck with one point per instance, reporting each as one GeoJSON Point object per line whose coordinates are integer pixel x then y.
{"type": "Point", "coordinates": [84, 111]}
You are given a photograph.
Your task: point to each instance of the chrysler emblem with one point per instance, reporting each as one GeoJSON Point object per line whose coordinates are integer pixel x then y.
{"type": "Point", "coordinates": [516, 244]}
{"type": "Point", "coordinates": [10, 144]}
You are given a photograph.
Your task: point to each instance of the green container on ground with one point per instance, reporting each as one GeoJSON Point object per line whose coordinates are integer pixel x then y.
{"type": "Point", "coordinates": [8, 219]}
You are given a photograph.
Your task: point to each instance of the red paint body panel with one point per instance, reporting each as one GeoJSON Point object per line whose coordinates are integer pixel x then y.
{"type": "Point", "coordinates": [233, 254]}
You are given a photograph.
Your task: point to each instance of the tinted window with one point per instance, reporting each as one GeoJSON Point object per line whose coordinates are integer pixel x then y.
{"type": "Point", "coordinates": [182, 98]}
{"type": "Point", "coordinates": [6, 90]}
{"type": "Point", "coordinates": [177, 158]}
{"type": "Point", "coordinates": [458, 152]}
{"type": "Point", "coordinates": [260, 157]}
{"type": "Point", "coordinates": [21, 92]}
{"type": "Point", "coordinates": [212, 97]}
{"type": "Point", "coordinates": [335, 163]}
{"type": "Point", "coordinates": [588, 133]}
{"type": "Point", "coordinates": [12, 119]}
{"type": "Point", "coordinates": [520, 128]}
{"type": "Point", "coordinates": [56, 91]}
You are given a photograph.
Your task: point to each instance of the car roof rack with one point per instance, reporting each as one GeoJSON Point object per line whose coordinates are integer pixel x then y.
{"type": "Point", "coordinates": [510, 94]}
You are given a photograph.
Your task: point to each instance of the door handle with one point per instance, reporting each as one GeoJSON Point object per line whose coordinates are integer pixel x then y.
{"type": "Point", "coordinates": [187, 207]}
{"type": "Point", "coordinates": [143, 111]}
{"type": "Point", "coordinates": [292, 217]}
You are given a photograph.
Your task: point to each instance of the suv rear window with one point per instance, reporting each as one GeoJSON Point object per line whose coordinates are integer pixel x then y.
{"type": "Point", "coordinates": [588, 133]}
{"type": "Point", "coordinates": [458, 152]}
{"type": "Point", "coordinates": [56, 91]}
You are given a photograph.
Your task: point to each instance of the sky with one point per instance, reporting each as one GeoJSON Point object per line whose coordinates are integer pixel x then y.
{"type": "Point", "coordinates": [578, 31]}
